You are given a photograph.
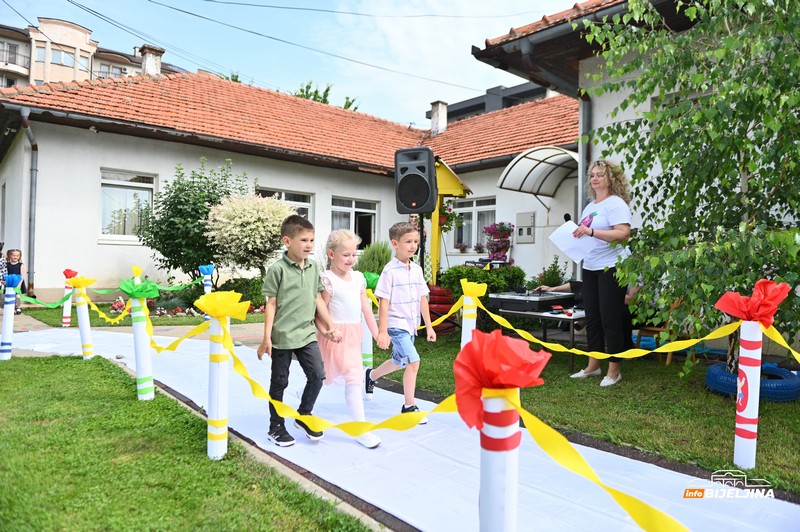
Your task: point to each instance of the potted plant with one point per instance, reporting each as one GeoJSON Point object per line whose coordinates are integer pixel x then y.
{"type": "Point", "coordinates": [499, 230]}
{"type": "Point", "coordinates": [479, 248]}
{"type": "Point", "coordinates": [462, 247]}
{"type": "Point", "coordinates": [449, 219]}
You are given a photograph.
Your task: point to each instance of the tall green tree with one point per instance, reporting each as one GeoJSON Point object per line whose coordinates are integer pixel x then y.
{"type": "Point", "coordinates": [712, 152]}
{"type": "Point", "coordinates": [175, 226]}
{"type": "Point", "coordinates": [310, 91]}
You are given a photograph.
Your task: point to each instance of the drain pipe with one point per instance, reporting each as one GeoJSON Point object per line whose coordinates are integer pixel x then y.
{"type": "Point", "coordinates": [31, 252]}
{"type": "Point", "coordinates": [584, 153]}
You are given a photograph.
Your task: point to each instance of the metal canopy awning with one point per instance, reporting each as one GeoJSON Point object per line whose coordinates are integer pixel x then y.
{"type": "Point", "coordinates": [540, 171]}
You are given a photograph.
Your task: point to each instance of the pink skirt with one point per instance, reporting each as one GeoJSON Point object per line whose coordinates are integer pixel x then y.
{"type": "Point", "coordinates": [343, 360]}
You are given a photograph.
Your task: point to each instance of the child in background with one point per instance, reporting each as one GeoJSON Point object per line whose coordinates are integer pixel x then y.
{"type": "Point", "coordinates": [3, 270]}
{"type": "Point", "coordinates": [346, 296]}
{"type": "Point", "coordinates": [403, 295]}
{"type": "Point", "coordinates": [15, 266]}
{"type": "Point", "coordinates": [293, 287]}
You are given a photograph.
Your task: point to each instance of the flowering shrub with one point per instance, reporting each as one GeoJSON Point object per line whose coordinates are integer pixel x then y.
{"type": "Point", "coordinates": [499, 230]}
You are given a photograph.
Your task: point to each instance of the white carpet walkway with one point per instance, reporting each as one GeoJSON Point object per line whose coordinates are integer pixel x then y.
{"type": "Point", "coordinates": [429, 476]}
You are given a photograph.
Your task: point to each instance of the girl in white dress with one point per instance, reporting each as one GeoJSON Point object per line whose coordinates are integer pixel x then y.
{"type": "Point", "coordinates": [346, 297]}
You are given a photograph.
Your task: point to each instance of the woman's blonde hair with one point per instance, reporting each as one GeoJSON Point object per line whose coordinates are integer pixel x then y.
{"type": "Point", "coordinates": [339, 237]}
{"type": "Point", "coordinates": [616, 177]}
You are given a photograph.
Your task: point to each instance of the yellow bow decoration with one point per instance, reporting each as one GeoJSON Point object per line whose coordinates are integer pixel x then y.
{"type": "Point", "coordinates": [223, 304]}
{"type": "Point", "coordinates": [137, 271]}
{"type": "Point", "coordinates": [473, 290]}
{"type": "Point", "coordinates": [80, 282]}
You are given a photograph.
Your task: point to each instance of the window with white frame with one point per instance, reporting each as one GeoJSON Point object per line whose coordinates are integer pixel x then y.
{"type": "Point", "coordinates": [60, 57]}
{"type": "Point", "coordinates": [356, 215]}
{"type": "Point", "coordinates": [40, 54]}
{"type": "Point", "coordinates": [124, 196]}
{"type": "Point", "coordinates": [300, 201]}
{"type": "Point", "coordinates": [476, 214]}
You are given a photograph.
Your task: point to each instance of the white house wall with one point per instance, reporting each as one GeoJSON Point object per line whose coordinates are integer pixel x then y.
{"type": "Point", "coordinates": [15, 212]}
{"type": "Point", "coordinates": [68, 232]}
{"type": "Point", "coordinates": [532, 258]}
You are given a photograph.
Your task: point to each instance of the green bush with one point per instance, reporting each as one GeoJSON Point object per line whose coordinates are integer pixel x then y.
{"type": "Point", "coordinates": [553, 275]}
{"type": "Point", "coordinates": [249, 287]}
{"type": "Point", "coordinates": [375, 257]}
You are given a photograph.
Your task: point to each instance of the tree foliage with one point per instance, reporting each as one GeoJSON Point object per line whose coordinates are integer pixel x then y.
{"type": "Point", "coordinates": [310, 91]}
{"type": "Point", "coordinates": [245, 229]}
{"type": "Point", "coordinates": [712, 152]}
{"type": "Point", "coordinates": [175, 227]}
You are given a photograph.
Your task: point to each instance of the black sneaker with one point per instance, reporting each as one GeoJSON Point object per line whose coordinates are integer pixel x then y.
{"type": "Point", "coordinates": [413, 408]}
{"type": "Point", "coordinates": [313, 435]}
{"type": "Point", "coordinates": [369, 384]}
{"type": "Point", "coordinates": [280, 437]}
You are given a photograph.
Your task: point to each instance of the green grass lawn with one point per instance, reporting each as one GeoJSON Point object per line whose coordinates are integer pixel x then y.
{"type": "Point", "coordinates": [652, 409]}
{"type": "Point", "coordinates": [79, 452]}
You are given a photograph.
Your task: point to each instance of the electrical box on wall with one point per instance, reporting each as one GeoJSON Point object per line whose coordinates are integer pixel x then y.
{"type": "Point", "coordinates": [526, 224]}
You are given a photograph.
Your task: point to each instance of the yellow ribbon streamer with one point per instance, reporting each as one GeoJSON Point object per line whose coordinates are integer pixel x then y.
{"type": "Point", "coordinates": [371, 296]}
{"type": "Point", "coordinates": [557, 447]}
{"type": "Point", "coordinates": [773, 334]}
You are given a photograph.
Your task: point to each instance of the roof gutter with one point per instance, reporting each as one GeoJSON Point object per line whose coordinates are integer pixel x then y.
{"type": "Point", "coordinates": [332, 161]}
{"type": "Point", "coordinates": [31, 252]}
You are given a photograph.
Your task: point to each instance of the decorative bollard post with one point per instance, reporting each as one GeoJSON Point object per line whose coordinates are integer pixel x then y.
{"type": "Point", "coordinates": [219, 363]}
{"type": "Point", "coordinates": [220, 306]}
{"type": "Point", "coordinates": [206, 270]}
{"type": "Point", "coordinates": [12, 280]}
{"type": "Point", "coordinates": [66, 310]}
{"type": "Point", "coordinates": [757, 311]}
{"type": "Point", "coordinates": [82, 309]}
{"type": "Point", "coordinates": [500, 439]}
{"type": "Point", "coordinates": [489, 372]}
{"type": "Point", "coordinates": [145, 388]}
{"type": "Point", "coordinates": [748, 393]}
{"type": "Point", "coordinates": [469, 313]}
{"type": "Point", "coordinates": [366, 345]}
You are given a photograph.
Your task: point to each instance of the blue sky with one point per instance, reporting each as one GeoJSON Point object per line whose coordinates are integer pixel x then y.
{"type": "Point", "coordinates": [430, 47]}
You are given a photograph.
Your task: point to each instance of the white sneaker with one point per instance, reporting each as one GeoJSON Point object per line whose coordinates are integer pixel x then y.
{"type": "Point", "coordinates": [608, 381]}
{"type": "Point", "coordinates": [582, 375]}
{"type": "Point", "coordinates": [369, 440]}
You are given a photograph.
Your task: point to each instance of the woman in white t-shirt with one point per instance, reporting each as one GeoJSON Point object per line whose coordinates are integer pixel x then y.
{"type": "Point", "coordinates": [608, 219]}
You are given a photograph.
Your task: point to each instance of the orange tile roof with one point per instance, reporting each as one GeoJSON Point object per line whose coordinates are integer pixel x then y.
{"type": "Point", "coordinates": [274, 122]}
{"type": "Point", "coordinates": [578, 10]}
{"type": "Point", "coordinates": [548, 122]}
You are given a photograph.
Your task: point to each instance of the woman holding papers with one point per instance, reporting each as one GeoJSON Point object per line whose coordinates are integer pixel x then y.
{"type": "Point", "coordinates": [608, 219]}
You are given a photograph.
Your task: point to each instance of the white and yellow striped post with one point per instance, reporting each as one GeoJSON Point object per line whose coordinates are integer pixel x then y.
{"type": "Point", "coordinates": [82, 309]}
{"type": "Point", "coordinates": [10, 298]}
{"type": "Point", "coordinates": [469, 319]}
{"type": "Point", "coordinates": [145, 387]}
{"type": "Point", "coordinates": [66, 309]}
{"type": "Point", "coordinates": [748, 394]}
{"type": "Point", "coordinates": [500, 439]}
{"type": "Point", "coordinates": [219, 364]}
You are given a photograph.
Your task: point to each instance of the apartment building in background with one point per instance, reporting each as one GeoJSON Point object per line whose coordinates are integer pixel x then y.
{"type": "Point", "coordinates": [59, 51]}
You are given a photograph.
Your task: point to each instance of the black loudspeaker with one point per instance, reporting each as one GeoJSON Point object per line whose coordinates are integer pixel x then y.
{"type": "Point", "coordinates": [415, 180]}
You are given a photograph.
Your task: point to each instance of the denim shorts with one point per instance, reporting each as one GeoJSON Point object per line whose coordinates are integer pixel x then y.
{"type": "Point", "coordinates": [403, 350]}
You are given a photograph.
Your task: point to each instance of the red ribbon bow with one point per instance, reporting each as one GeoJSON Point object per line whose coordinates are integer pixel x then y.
{"type": "Point", "coordinates": [69, 274]}
{"type": "Point", "coordinates": [493, 361]}
{"type": "Point", "coordinates": [761, 306]}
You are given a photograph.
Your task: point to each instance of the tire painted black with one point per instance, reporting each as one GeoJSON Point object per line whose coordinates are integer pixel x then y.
{"type": "Point", "coordinates": [777, 384]}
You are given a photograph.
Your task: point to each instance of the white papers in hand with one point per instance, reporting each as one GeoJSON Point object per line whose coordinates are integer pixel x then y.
{"type": "Point", "coordinates": [574, 248]}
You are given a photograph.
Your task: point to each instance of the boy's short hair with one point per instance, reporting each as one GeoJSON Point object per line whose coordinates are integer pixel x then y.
{"type": "Point", "coordinates": [295, 224]}
{"type": "Point", "coordinates": [401, 228]}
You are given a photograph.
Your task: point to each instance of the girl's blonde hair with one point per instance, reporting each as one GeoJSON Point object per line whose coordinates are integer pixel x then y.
{"type": "Point", "coordinates": [616, 177]}
{"type": "Point", "coordinates": [10, 251]}
{"type": "Point", "coordinates": [339, 237]}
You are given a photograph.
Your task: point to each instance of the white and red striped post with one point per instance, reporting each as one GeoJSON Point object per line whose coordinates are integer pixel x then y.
{"type": "Point", "coordinates": [219, 363]}
{"type": "Point", "coordinates": [748, 393]}
{"type": "Point", "coordinates": [145, 387]}
{"type": "Point", "coordinates": [66, 309]}
{"type": "Point", "coordinates": [469, 319]}
{"type": "Point", "coordinates": [500, 439]}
